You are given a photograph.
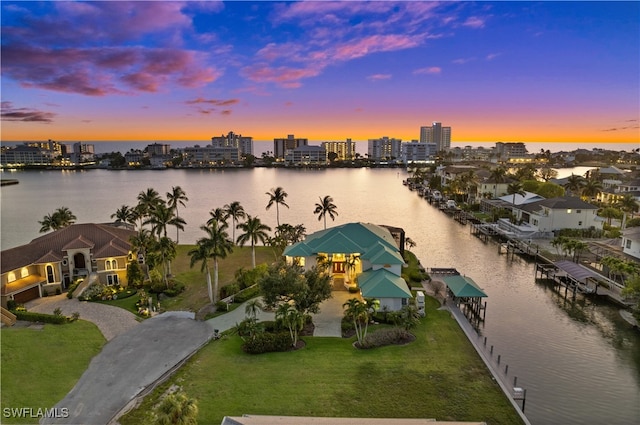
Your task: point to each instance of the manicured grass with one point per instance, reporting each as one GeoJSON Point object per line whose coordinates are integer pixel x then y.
{"type": "Point", "coordinates": [39, 367]}
{"type": "Point", "coordinates": [195, 295]}
{"type": "Point", "coordinates": [128, 303]}
{"type": "Point", "coordinates": [437, 376]}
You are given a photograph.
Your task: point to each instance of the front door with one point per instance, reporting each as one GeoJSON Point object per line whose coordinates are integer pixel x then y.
{"type": "Point", "coordinates": [78, 260]}
{"type": "Point", "coordinates": [338, 267]}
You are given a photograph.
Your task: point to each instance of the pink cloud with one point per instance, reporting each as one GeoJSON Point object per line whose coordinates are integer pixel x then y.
{"type": "Point", "coordinates": [10, 113]}
{"type": "Point", "coordinates": [462, 61]}
{"type": "Point", "coordinates": [375, 43]}
{"type": "Point", "coordinates": [428, 70]}
{"type": "Point", "coordinates": [378, 77]}
{"type": "Point", "coordinates": [284, 76]}
{"type": "Point", "coordinates": [492, 56]}
{"type": "Point", "coordinates": [474, 22]}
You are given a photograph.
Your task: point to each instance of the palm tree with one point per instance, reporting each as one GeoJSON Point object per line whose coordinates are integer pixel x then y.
{"type": "Point", "coordinates": [176, 197]}
{"type": "Point", "coordinates": [356, 311]}
{"type": "Point", "coordinates": [218, 218]}
{"type": "Point", "coordinates": [574, 184]}
{"type": "Point", "coordinates": [591, 188]}
{"type": "Point", "coordinates": [324, 207]}
{"type": "Point", "coordinates": [177, 409]}
{"type": "Point", "coordinates": [147, 201]}
{"type": "Point", "coordinates": [254, 231]}
{"type": "Point", "coordinates": [292, 319]}
{"type": "Point", "coordinates": [59, 219]}
{"type": "Point", "coordinates": [514, 189]}
{"type": "Point", "coordinates": [167, 249]}
{"type": "Point", "coordinates": [124, 214]}
{"type": "Point", "coordinates": [627, 204]}
{"type": "Point", "coordinates": [277, 196]}
{"type": "Point", "coordinates": [252, 308]}
{"type": "Point", "coordinates": [218, 246]}
{"type": "Point", "coordinates": [161, 217]}
{"type": "Point", "coordinates": [236, 212]}
{"type": "Point", "coordinates": [609, 213]}
{"type": "Point", "coordinates": [498, 175]}
{"type": "Point", "coordinates": [202, 253]}
{"type": "Point", "coordinates": [142, 243]}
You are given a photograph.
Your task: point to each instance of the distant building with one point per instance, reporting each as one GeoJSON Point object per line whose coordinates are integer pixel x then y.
{"type": "Point", "coordinates": [133, 157]}
{"type": "Point", "coordinates": [385, 149]}
{"type": "Point", "coordinates": [158, 149]}
{"type": "Point", "coordinates": [82, 153]}
{"type": "Point", "coordinates": [306, 155]}
{"type": "Point", "coordinates": [244, 143]}
{"type": "Point", "coordinates": [345, 150]}
{"type": "Point", "coordinates": [22, 155]}
{"type": "Point", "coordinates": [281, 146]}
{"type": "Point", "coordinates": [210, 155]}
{"type": "Point", "coordinates": [437, 134]}
{"type": "Point", "coordinates": [415, 151]}
{"type": "Point", "coordinates": [510, 151]}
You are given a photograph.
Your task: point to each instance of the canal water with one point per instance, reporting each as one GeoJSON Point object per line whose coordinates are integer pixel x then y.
{"type": "Point", "coordinates": [578, 361]}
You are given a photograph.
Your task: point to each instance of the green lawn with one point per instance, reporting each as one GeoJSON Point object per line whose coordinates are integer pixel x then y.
{"type": "Point", "coordinates": [195, 295]}
{"type": "Point", "coordinates": [437, 376]}
{"type": "Point", "coordinates": [39, 367]}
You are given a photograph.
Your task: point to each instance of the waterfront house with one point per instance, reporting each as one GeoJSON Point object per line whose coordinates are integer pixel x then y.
{"type": "Point", "coordinates": [565, 212]}
{"type": "Point", "coordinates": [359, 255]}
{"type": "Point", "coordinates": [51, 262]}
{"type": "Point", "coordinates": [631, 242]}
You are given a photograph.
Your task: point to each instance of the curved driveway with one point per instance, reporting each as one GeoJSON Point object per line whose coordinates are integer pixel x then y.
{"type": "Point", "coordinates": [111, 320]}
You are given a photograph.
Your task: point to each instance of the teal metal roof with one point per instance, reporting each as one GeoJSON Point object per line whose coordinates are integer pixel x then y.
{"type": "Point", "coordinates": [346, 239]}
{"type": "Point", "coordinates": [382, 254]}
{"type": "Point", "coordinates": [382, 283]}
{"type": "Point", "coordinates": [463, 286]}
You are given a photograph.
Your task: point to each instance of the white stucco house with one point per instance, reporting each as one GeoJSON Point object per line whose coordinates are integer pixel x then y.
{"type": "Point", "coordinates": [631, 242]}
{"type": "Point", "coordinates": [362, 254]}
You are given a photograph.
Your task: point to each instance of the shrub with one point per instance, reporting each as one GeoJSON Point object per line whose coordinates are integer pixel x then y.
{"type": "Point", "coordinates": [353, 289]}
{"type": "Point", "coordinates": [222, 306]}
{"type": "Point", "coordinates": [267, 342]}
{"type": "Point", "coordinates": [72, 288]}
{"type": "Point", "coordinates": [58, 291]}
{"type": "Point", "coordinates": [11, 304]}
{"type": "Point", "coordinates": [229, 290]}
{"type": "Point", "coordinates": [388, 336]}
{"type": "Point", "coordinates": [57, 312]}
{"type": "Point", "coordinates": [174, 289]}
{"type": "Point", "coordinates": [135, 276]}
{"type": "Point", "coordinates": [40, 317]}
{"type": "Point", "coordinates": [74, 316]}
{"type": "Point", "coordinates": [246, 294]}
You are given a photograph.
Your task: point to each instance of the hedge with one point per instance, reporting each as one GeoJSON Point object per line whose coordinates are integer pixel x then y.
{"type": "Point", "coordinates": [267, 342]}
{"type": "Point", "coordinates": [40, 317]}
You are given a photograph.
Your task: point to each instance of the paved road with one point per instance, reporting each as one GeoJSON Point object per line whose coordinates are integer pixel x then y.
{"type": "Point", "coordinates": [111, 320]}
{"type": "Point", "coordinates": [129, 364]}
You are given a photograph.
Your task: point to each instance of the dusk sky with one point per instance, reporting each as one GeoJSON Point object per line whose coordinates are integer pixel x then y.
{"type": "Point", "coordinates": [165, 70]}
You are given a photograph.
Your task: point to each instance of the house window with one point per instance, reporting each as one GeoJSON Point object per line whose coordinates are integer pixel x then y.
{"type": "Point", "coordinates": [579, 223]}
{"type": "Point", "coordinates": [404, 301]}
{"type": "Point", "coordinates": [578, 211]}
{"type": "Point", "coordinates": [107, 265]}
{"type": "Point", "coordinates": [11, 277]}
{"type": "Point", "coordinates": [24, 272]}
{"type": "Point", "coordinates": [114, 264]}
{"type": "Point", "coordinates": [50, 275]}
{"type": "Point", "coordinates": [628, 244]}
{"type": "Point", "coordinates": [112, 279]}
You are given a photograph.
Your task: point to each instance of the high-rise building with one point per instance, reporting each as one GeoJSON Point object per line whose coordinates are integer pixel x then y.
{"type": "Point", "coordinates": [345, 150]}
{"type": "Point", "coordinates": [244, 143]}
{"type": "Point", "coordinates": [437, 134]}
{"type": "Point", "coordinates": [281, 146]}
{"type": "Point", "coordinates": [158, 149]}
{"type": "Point", "coordinates": [385, 149]}
{"type": "Point", "coordinates": [506, 151]}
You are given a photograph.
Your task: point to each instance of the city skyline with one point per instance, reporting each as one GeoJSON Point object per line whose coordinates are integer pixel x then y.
{"type": "Point", "coordinates": [493, 71]}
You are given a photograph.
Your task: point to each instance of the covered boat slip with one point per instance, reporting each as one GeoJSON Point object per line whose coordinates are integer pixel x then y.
{"type": "Point", "coordinates": [462, 290]}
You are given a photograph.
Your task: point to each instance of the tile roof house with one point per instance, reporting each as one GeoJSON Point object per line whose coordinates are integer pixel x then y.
{"type": "Point", "coordinates": [564, 212]}
{"type": "Point", "coordinates": [52, 261]}
{"type": "Point", "coordinates": [358, 252]}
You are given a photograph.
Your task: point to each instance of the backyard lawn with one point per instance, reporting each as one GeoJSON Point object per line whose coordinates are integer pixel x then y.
{"type": "Point", "coordinates": [437, 376]}
{"type": "Point", "coordinates": [39, 367]}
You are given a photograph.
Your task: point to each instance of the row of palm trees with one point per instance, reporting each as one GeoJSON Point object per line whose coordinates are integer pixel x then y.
{"type": "Point", "coordinates": [59, 219]}
{"type": "Point", "coordinates": [324, 208]}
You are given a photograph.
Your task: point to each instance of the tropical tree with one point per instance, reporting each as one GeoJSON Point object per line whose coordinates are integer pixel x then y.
{"type": "Point", "coordinates": [236, 212]}
{"type": "Point", "coordinates": [218, 218]}
{"type": "Point", "coordinates": [277, 196]}
{"type": "Point", "coordinates": [357, 312]}
{"type": "Point", "coordinates": [147, 201]}
{"type": "Point", "coordinates": [324, 207]}
{"type": "Point", "coordinates": [410, 242]}
{"type": "Point", "coordinates": [292, 319]}
{"type": "Point", "coordinates": [124, 214]}
{"type": "Point", "coordinates": [408, 317]}
{"type": "Point", "coordinates": [176, 409]}
{"type": "Point", "coordinates": [609, 213]}
{"type": "Point", "coordinates": [252, 308]}
{"type": "Point", "coordinates": [218, 246]}
{"type": "Point", "coordinates": [59, 219]}
{"type": "Point", "coordinates": [497, 175]}
{"type": "Point", "coordinates": [254, 231]}
{"type": "Point", "coordinates": [201, 253]}
{"type": "Point", "coordinates": [167, 249]}
{"type": "Point", "coordinates": [628, 205]}
{"type": "Point", "coordinates": [574, 184]}
{"type": "Point", "coordinates": [514, 189]}
{"type": "Point", "coordinates": [161, 217]}
{"type": "Point", "coordinates": [176, 197]}
{"type": "Point", "coordinates": [591, 188]}
{"type": "Point", "coordinates": [547, 173]}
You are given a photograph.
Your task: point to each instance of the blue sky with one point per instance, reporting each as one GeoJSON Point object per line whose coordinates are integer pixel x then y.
{"type": "Point", "coordinates": [493, 71]}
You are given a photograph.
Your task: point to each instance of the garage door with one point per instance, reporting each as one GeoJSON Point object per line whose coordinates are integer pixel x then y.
{"type": "Point", "coordinates": [28, 295]}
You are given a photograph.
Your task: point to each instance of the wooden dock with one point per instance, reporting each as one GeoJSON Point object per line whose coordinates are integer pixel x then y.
{"type": "Point", "coordinates": [8, 182]}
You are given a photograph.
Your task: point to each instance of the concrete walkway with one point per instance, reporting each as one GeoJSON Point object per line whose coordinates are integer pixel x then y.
{"type": "Point", "coordinates": [111, 320]}
{"type": "Point", "coordinates": [329, 321]}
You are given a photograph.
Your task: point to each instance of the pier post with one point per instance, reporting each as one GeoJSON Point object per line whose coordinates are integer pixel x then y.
{"type": "Point", "coordinates": [506, 370]}
{"type": "Point", "coordinates": [492, 350]}
{"type": "Point", "coordinates": [498, 358]}
{"type": "Point", "coordinates": [485, 341]}
{"type": "Point", "coordinates": [515, 381]}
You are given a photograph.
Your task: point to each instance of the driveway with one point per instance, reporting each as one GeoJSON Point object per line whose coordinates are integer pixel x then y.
{"type": "Point", "coordinates": [111, 320]}
{"type": "Point", "coordinates": [329, 321]}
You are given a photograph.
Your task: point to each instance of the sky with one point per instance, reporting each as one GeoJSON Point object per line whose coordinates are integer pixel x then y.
{"type": "Point", "coordinates": [168, 70]}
